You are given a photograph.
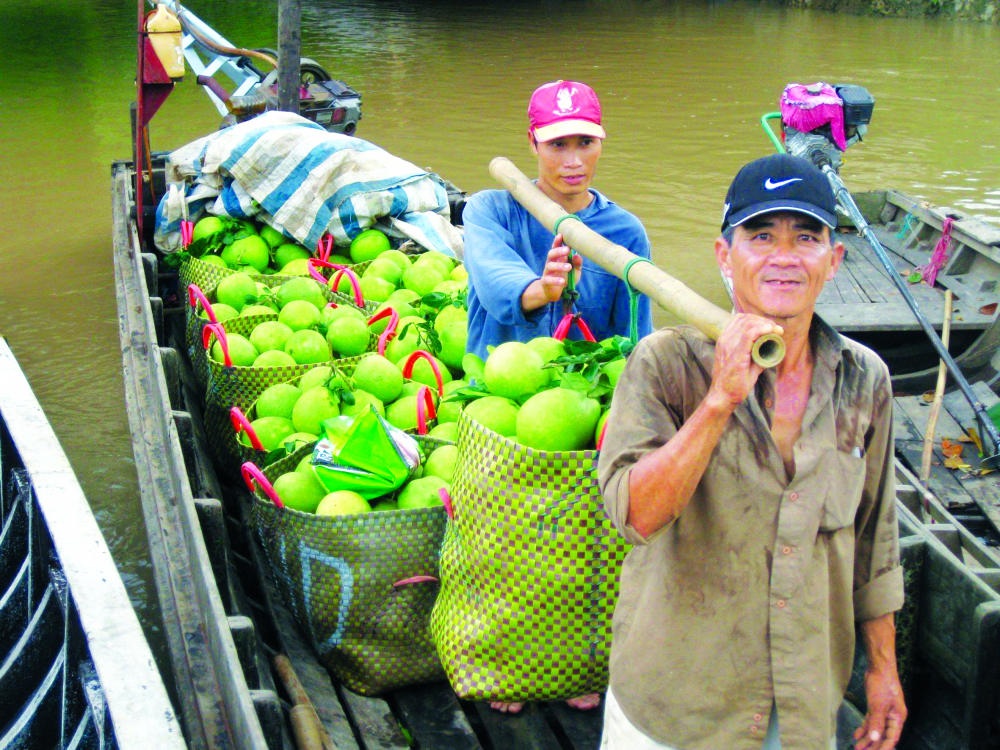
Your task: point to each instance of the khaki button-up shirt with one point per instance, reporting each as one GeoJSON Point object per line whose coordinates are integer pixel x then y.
{"type": "Point", "coordinates": [752, 593]}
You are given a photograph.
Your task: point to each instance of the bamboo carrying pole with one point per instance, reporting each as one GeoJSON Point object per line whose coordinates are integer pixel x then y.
{"type": "Point", "coordinates": [659, 286]}
{"type": "Point", "coordinates": [310, 734]}
{"type": "Point", "coordinates": [925, 462]}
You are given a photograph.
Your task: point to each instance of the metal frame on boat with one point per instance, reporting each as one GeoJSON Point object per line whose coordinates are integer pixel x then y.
{"type": "Point", "coordinates": [75, 669]}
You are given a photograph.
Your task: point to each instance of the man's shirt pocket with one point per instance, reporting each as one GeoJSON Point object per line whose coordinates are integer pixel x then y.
{"type": "Point", "coordinates": [843, 496]}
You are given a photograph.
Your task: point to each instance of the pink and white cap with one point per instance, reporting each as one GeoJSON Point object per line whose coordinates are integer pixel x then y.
{"type": "Point", "coordinates": [564, 108]}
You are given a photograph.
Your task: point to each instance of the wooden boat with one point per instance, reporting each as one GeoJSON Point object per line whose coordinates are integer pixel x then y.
{"type": "Point", "coordinates": [862, 303]}
{"type": "Point", "coordinates": [75, 670]}
{"type": "Point", "coordinates": [224, 620]}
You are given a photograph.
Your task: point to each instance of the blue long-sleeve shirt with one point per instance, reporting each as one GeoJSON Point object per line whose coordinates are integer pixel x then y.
{"type": "Point", "coordinates": [505, 250]}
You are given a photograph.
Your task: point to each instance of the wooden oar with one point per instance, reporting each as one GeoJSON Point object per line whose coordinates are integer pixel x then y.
{"type": "Point", "coordinates": [310, 734]}
{"type": "Point", "coordinates": [932, 418]}
{"type": "Point", "coordinates": [659, 286]}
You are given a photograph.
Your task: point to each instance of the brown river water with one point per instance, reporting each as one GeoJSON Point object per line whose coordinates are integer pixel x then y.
{"type": "Point", "coordinates": [445, 85]}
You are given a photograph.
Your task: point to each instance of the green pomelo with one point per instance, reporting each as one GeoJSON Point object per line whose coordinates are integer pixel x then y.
{"type": "Point", "coordinates": [449, 411]}
{"type": "Point", "coordinates": [600, 426]}
{"type": "Point", "coordinates": [368, 245]}
{"type": "Point", "coordinates": [417, 473]}
{"type": "Point", "coordinates": [235, 291]}
{"type": "Point", "coordinates": [436, 259]}
{"type": "Point", "coordinates": [453, 340]}
{"type": "Point", "coordinates": [445, 430]}
{"type": "Point", "coordinates": [423, 372]}
{"type": "Point", "coordinates": [222, 312]}
{"type": "Point", "coordinates": [205, 227]}
{"type": "Point", "coordinates": [274, 358]}
{"type": "Point", "coordinates": [339, 260]}
{"type": "Point", "coordinates": [250, 310]}
{"type": "Point", "coordinates": [403, 412]}
{"type": "Point", "coordinates": [407, 339]}
{"type": "Point", "coordinates": [421, 493]}
{"type": "Point", "coordinates": [450, 315]}
{"type": "Point", "coordinates": [307, 290]}
{"type": "Point", "coordinates": [379, 377]}
{"type": "Point", "coordinates": [387, 504]}
{"type": "Point", "coordinates": [271, 431]}
{"type": "Point", "coordinates": [299, 315]}
{"type": "Point", "coordinates": [307, 348]}
{"type": "Point", "coordinates": [241, 352]}
{"type": "Point", "coordinates": [270, 335]}
{"type": "Point", "coordinates": [449, 287]}
{"type": "Point", "coordinates": [458, 273]}
{"type": "Point", "coordinates": [330, 314]}
{"type": "Point", "coordinates": [441, 463]}
{"type": "Point", "coordinates": [315, 376]}
{"type": "Point", "coordinates": [250, 251]}
{"type": "Point", "coordinates": [296, 267]}
{"type": "Point", "coordinates": [514, 370]}
{"type": "Point", "coordinates": [407, 296]}
{"type": "Point", "coordinates": [305, 465]}
{"type": "Point", "coordinates": [342, 503]}
{"type": "Point", "coordinates": [247, 226]}
{"type": "Point", "coordinates": [348, 337]}
{"type": "Point", "coordinates": [287, 252]}
{"type": "Point", "coordinates": [214, 260]}
{"type": "Point", "coordinates": [313, 407]}
{"type": "Point", "coordinates": [614, 370]}
{"type": "Point", "coordinates": [343, 286]}
{"type": "Point", "coordinates": [362, 399]}
{"type": "Point", "coordinates": [385, 269]}
{"type": "Point", "coordinates": [422, 279]}
{"type": "Point", "coordinates": [299, 491]}
{"type": "Point", "coordinates": [412, 388]}
{"type": "Point", "coordinates": [278, 400]}
{"type": "Point", "coordinates": [495, 413]}
{"type": "Point", "coordinates": [245, 268]}
{"type": "Point", "coordinates": [374, 289]}
{"type": "Point", "coordinates": [396, 256]}
{"type": "Point", "coordinates": [298, 440]}
{"type": "Point", "coordinates": [473, 367]}
{"type": "Point", "coordinates": [558, 419]}
{"type": "Point", "coordinates": [272, 237]}
{"type": "Point", "coordinates": [548, 349]}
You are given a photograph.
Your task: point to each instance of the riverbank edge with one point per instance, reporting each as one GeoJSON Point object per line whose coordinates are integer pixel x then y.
{"type": "Point", "coordinates": [985, 11]}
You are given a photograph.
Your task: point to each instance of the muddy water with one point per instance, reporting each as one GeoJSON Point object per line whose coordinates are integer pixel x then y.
{"type": "Point", "coordinates": [445, 86]}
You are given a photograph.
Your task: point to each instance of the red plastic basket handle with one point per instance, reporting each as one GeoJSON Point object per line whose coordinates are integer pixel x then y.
{"type": "Point", "coordinates": [390, 330]}
{"type": "Point", "coordinates": [425, 409]}
{"type": "Point", "coordinates": [216, 329]}
{"type": "Point", "coordinates": [252, 474]}
{"type": "Point", "coordinates": [315, 263]}
{"type": "Point", "coordinates": [415, 579]}
{"type": "Point", "coordinates": [195, 295]}
{"type": "Point", "coordinates": [562, 330]}
{"type": "Point", "coordinates": [446, 502]}
{"type": "Point", "coordinates": [187, 232]}
{"type": "Point", "coordinates": [600, 438]}
{"type": "Point", "coordinates": [241, 424]}
{"type": "Point", "coordinates": [324, 247]}
{"type": "Point", "coordinates": [421, 354]}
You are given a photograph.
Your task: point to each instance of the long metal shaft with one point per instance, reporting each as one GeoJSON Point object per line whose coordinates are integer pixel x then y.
{"type": "Point", "coordinates": [987, 428]}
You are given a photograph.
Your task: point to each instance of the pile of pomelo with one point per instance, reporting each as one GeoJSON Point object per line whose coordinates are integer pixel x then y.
{"type": "Point", "coordinates": [243, 245]}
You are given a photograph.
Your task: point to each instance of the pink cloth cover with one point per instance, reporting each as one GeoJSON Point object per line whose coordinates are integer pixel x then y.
{"type": "Point", "coordinates": [806, 111]}
{"type": "Point", "coordinates": [940, 255]}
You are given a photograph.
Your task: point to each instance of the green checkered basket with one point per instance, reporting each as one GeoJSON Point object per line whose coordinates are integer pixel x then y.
{"type": "Point", "coordinates": [529, 573]}
{"type": "Point", "coordinates": [361, 587]}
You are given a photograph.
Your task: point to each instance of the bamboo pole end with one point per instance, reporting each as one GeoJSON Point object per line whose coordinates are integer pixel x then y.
{"type": "Point", "coordinates": [768, 351]}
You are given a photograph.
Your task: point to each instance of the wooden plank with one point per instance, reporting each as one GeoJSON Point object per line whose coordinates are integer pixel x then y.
{"type": "Point", "coordinates": [918, 410]}
{"type": "Point", "coordinates": [434, 717]}
{"type": "Point", "coordinates": [527, 730]}
{"type": "Point", "coordinates": [861, 272]}
{"type": "Point", "coordinates": [985, 490]}
{"type": "Point", "coordinates": [980, 719]}
{"type": "Point", "coordinates": [582, 728]}
{"type": "Point", "coordinates": [378, 728]}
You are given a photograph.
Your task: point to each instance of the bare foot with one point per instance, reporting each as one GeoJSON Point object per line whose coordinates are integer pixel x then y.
{"type": "Point", "coordinates": [585, 702]}
{"type": "Point", "coordinates": [506, 708]}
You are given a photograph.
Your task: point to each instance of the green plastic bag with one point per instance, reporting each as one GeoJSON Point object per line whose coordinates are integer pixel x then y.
{"type": "Point", "coordinates": [364, 454]}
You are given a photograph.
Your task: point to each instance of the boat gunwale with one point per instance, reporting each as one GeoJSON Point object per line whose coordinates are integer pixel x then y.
{"type": "Point", "coordinates": [137, 700]}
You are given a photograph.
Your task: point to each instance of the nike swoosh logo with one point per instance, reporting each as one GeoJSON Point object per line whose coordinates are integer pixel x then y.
{"type": "Point", "coordinates": [775, 185]}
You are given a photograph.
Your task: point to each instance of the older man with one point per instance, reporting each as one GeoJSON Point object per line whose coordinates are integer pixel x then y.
{"type": "Point", "coordinates": [761, 504]}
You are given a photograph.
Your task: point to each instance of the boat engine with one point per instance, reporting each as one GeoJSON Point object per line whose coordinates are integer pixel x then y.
{"type": "Point", "coordinates": [823, 119]}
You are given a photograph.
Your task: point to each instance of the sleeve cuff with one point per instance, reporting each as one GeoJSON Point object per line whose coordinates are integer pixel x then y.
{"type": "Point", "coordinates": [879, 596]}
{"type": "Point", "coordinates": [523, 319]}
{"type": "Point", "coordinates": [620, 517]}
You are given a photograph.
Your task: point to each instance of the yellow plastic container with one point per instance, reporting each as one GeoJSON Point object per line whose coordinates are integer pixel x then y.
{"type": "Point", "coordinates": [165, 34]}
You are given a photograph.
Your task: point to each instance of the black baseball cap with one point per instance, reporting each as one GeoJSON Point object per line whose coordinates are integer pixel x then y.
{"type": "Point", "coordinates": [779, 182]}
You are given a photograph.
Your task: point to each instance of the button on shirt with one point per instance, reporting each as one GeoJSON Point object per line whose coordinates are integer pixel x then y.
{"type": "Point", "coordinates": [751, 595]}
{"type": "Point", "coordinates": [505, 251]}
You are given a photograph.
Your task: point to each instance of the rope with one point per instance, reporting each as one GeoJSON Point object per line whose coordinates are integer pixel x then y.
{"type": "Point", "coordinates": [569, 295]}
{"type": "Point", "coordinates": [940, 254]}
{"type": "Point", "coordinates": [905, 227]}
{"type": "Point", "coordinates": [633, 300]}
